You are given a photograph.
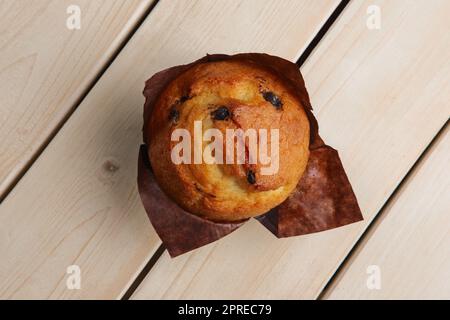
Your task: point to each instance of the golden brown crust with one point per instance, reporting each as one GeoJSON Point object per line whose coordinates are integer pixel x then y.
{"type": "Point", "coordinates": [255, 98]}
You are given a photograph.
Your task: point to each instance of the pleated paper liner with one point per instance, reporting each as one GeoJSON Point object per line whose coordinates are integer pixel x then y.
{"type": "Point", "coordinates": [322, 200]}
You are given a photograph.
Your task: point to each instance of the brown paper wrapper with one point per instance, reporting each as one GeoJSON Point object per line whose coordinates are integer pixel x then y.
{"type": "Point", "coordinates": [323, 199]}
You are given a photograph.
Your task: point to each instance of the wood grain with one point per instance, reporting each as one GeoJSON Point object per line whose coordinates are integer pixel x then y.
{"type": "Point", "coordinates": [78, 203]}
{"type": "Point", "coordinates": [410, 243]}
{"type": "Point", "coordinates": [45, 68]}
{"type": "Point", "coordinates": [380, 97]}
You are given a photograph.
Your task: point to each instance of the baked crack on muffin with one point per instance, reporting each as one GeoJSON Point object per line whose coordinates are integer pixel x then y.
{"type": "Point", "coordinates": [228, 95]}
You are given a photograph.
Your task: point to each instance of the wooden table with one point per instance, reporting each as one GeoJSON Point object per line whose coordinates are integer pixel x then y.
{"type": "Point", "coordinates": [71, 77]}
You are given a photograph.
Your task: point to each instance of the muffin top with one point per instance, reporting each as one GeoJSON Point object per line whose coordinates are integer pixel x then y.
{"type": "Point", "coordinates": [228, 140]}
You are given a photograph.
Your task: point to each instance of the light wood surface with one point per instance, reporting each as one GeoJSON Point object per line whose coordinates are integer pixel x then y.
{"type": "Point", "coordinates": [410, 244]}
{"type": "Point", "coordinates": [380, 97]}
{"type": "Point", "coordinates": [78, 203]}
{"type": "Point", "coordinates": [45, 68]}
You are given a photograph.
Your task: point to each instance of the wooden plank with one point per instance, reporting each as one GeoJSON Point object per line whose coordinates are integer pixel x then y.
{"type": "Point", "coordinates": [410, 244]}
{"type": "Point", "coordinates": [45, 68]}
{"type": "Point", "coordinates": [380, 97]}
{"type": "Point", "coordinates": [79, 204]}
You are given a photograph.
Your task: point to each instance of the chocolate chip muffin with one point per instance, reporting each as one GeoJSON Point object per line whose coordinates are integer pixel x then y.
{"type": "Point", "coordinates": [201, 116]}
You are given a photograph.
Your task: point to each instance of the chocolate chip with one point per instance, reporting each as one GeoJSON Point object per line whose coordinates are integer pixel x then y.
{"type": "Point", "coordinates": [251, 177]}
{"type": "Point", "coordinates": [184, 98]}
{"type": "Point", "coordinates": [221, 113]}
{"type": "Point", "coordinates": [273, 99]}
{"type": "Point", "coordinates": [174, 114]}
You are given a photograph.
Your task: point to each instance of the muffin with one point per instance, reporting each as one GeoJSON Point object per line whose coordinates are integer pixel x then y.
{"type": "Point", "coordinates": [197, 120]}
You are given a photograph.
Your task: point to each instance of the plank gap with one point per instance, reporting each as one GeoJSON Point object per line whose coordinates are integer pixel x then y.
{"type": "Point", "coordinates": [321, 33]}
{"type": "Point", "coordinates": [141, 276]}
